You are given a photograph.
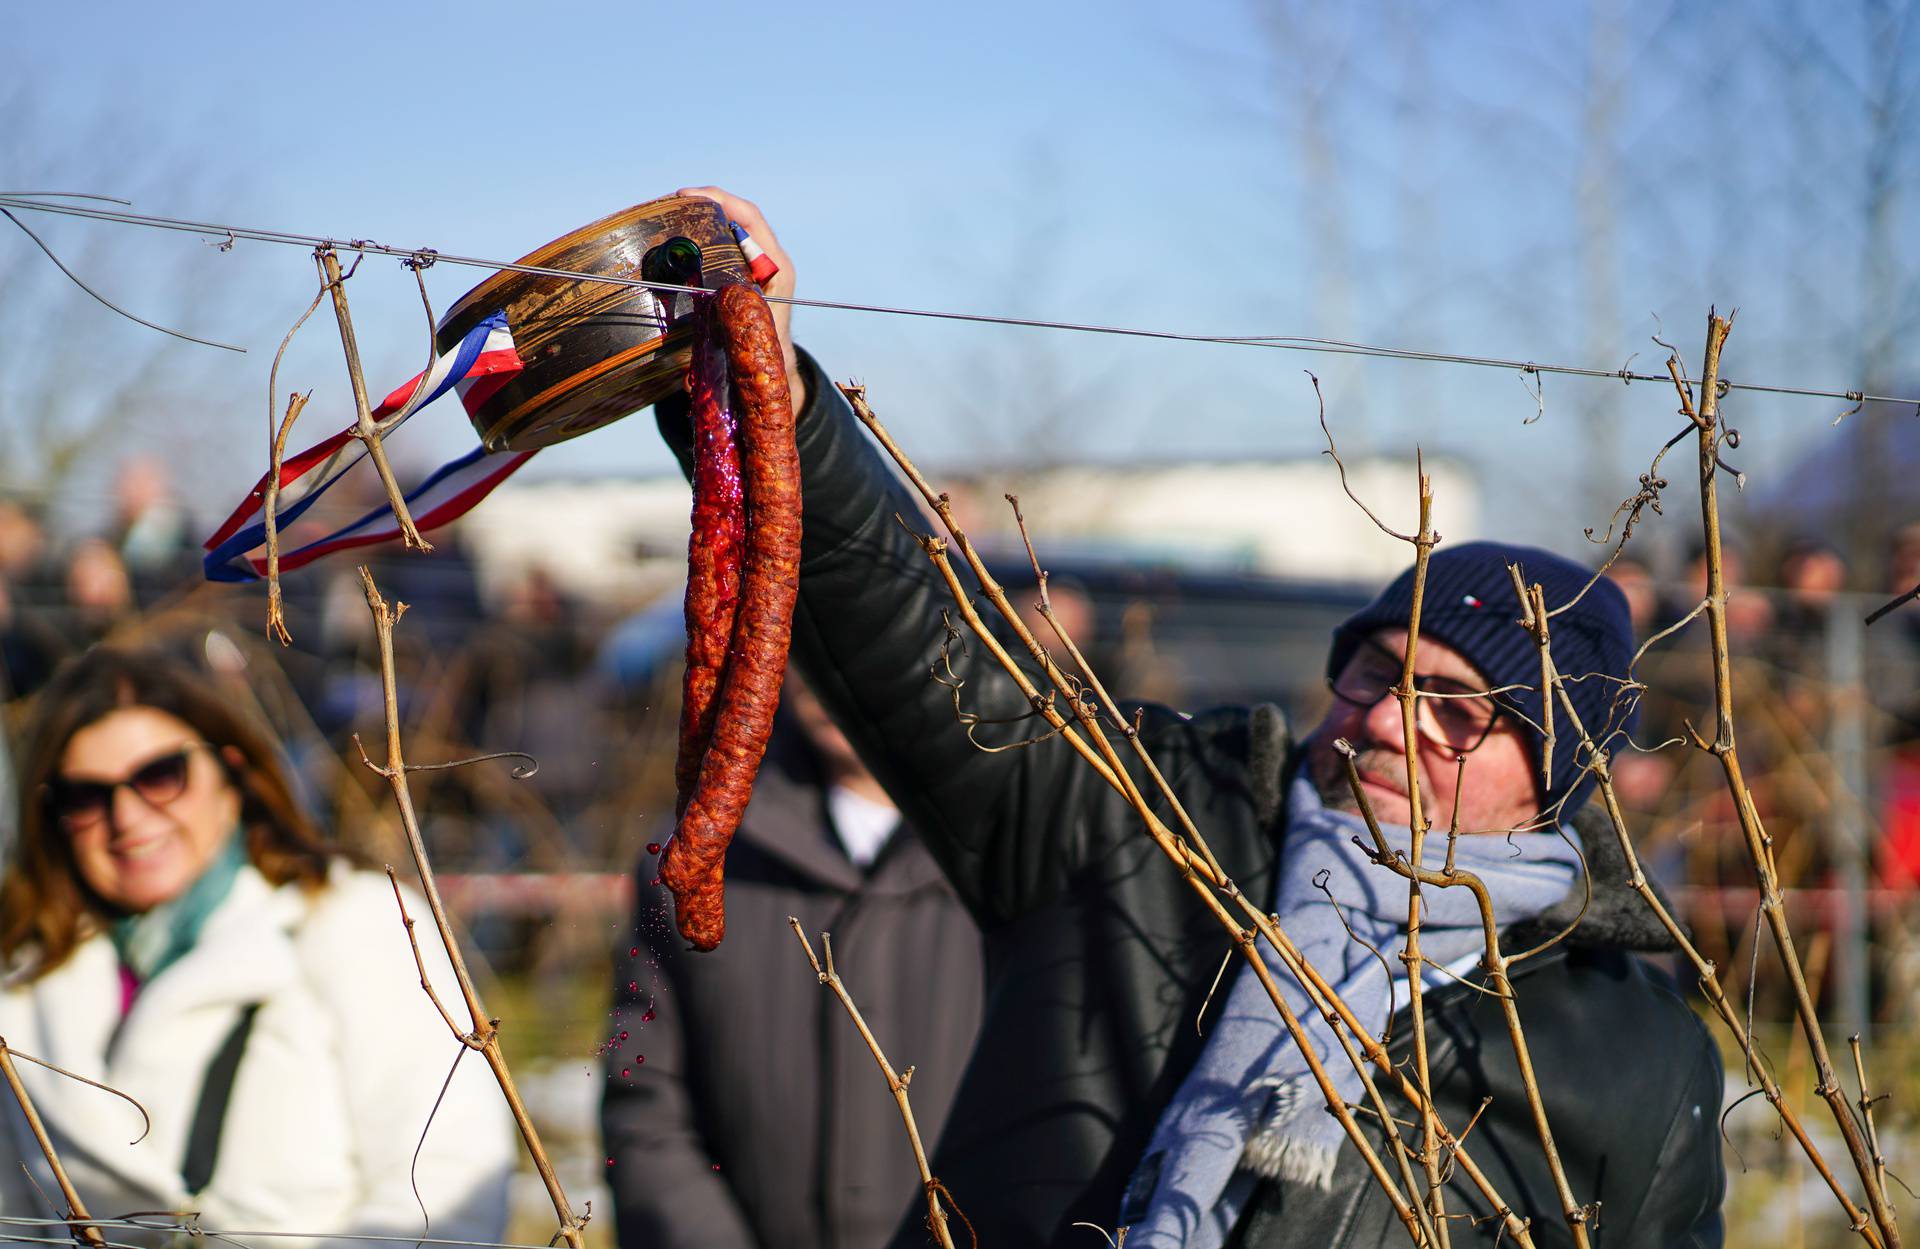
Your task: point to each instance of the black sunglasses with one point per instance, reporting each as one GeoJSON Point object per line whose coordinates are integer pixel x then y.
{"type": "Point", "coordinates": [81, 804]}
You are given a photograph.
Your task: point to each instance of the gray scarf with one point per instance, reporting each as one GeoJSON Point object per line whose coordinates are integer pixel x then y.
{"type": "Point", "coordinates": [1250, 1109]}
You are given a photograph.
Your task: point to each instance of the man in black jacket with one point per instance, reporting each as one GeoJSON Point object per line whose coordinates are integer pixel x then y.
{"type": "Point", "coordinates": [1074, 1107]}
{"type": "Point", "coordinates": [742, 1108]}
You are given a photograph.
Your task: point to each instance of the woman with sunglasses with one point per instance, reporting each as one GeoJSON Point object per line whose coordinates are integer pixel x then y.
{"type": "Point", "coordinates": [172, 925]}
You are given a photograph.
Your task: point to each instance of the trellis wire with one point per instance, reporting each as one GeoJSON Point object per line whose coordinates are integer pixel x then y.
{"type": "Point", "coordinates": [1281, 342]}
{"type": "Point", "coordinates": [193, 1228]}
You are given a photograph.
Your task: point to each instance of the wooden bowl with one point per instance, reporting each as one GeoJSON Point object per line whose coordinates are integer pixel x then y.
{"type": "Point", "coordinates": [593, 352]}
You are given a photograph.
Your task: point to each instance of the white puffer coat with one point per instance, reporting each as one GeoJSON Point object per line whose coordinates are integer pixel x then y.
{"type": "Point", "coordinates": [340, 1071]}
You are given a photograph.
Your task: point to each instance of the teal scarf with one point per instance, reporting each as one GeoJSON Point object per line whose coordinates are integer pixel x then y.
{"type": "Point", "coordinates": [154, 940]}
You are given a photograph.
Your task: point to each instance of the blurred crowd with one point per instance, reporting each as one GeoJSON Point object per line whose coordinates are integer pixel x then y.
{"type": "Point", "coordinates": [1827, 713]}
{"type": "Point", "coordinates": [521, 665]}
{"type": "Point", "coordinates": [1828, 719]}
{"type": "Point", "coordinates": [549, 876]}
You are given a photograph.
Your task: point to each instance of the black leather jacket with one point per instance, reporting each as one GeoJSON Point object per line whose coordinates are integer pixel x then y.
{"type": "Point", "coordinates": [1631, 1081]}
{"type": "Point", "coordinates": [1099, 957]}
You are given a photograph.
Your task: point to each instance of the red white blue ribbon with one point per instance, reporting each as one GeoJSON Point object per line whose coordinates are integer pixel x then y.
{"type": "Point", "coordinates": [760, 266]}
{"type": "Point", "coordinates": [483, 361]}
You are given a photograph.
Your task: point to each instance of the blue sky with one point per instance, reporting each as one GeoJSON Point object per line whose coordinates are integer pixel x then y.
{"type": "Point", "coordinates": [1410, 173]}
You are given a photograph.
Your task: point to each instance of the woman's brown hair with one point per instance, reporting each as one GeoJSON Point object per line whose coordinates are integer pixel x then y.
{"type": "Point", "coordinates": [46, 910]}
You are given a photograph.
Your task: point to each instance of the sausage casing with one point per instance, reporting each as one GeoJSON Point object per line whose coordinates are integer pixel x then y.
{"type": "Point", "coordinates": [693, 863]}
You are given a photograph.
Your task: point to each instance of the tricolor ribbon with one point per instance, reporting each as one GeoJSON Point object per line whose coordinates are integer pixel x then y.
{"type": "Point", "coordinates": [760, 266]}
{"type": "Point", "coordinates": [483, 361]}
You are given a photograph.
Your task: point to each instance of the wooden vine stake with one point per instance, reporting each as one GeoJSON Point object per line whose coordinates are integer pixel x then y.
{"type": "Point", "coordinates": [484, 1033]}
{"type": "Point", "coordinates": [363, 411]}
{"type": "Point", "coordinates": [1419, 824]}
{"type": "Point", "coordinates": [1710, 434]}
{"type": "Point", "coordinates": [1495, 961]}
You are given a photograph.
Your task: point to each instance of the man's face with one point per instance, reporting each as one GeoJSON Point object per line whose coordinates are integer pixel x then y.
{"type": "Point", "coordinates": [1500, 788]}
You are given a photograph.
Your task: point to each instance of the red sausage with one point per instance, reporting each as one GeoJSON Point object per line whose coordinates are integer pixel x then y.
{"type": "Point", "coordinates": [694, 861]}
{"type": "Point", "coordinates": [714, 550]}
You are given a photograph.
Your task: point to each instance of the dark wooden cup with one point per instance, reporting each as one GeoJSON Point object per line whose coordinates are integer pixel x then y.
{"type": "Point", "coordinates": [593, 351]}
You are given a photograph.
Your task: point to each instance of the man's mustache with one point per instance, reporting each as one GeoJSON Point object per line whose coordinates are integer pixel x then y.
{"type": "Point", "coordinates": [1386, 768]}
{"type": "Point", "coordinates": [1383, 767]}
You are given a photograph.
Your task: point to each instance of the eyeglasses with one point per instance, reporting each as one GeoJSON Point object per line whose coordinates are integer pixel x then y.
{"type": "Point", "coordinates": [1458, 719]}
{"type": "Point", "coordinates": [83, 804]}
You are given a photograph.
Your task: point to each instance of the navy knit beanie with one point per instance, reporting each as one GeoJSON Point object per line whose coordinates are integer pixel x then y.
{"type": "Point", "coordinates": [1471, 606]}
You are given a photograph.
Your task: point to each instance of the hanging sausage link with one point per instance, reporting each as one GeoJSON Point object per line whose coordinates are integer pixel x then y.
{"type": "Point", "coordinates": [756, 658]}
{"type": "Point", "coordinates": [714, 551]}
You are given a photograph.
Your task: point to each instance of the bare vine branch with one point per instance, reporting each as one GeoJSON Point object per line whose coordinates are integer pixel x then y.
{"type": "Point", "coordinates": [1188, 853]}
{"type": "Point", "coordinates": [1866, 1108]}
{"type": "Point", "coordinates": [484, 1034]}
{"type": "Point", "coordinates": [78, 1218]}
{"type": "Point", "coordinates": [276, 456]}
{"type": "Point", "coordinates": [1379, 524]}
{"type": "Point", "coordinates": [276, 609]}
{"type": "Point", "coordinates": [896, 1083]}
{"type": "Point", "coordinates": [1577, 1215]}
{"type": "Point", "coordinates": [1706, 974]}
{"type": "Point", "coordinates": [1893, 604]}
{"type": "Point", "coordinates": [1723, 748]}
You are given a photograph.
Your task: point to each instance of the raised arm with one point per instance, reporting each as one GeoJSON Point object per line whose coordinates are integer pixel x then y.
{"type": "Point", "coordinates": [1008, 827]}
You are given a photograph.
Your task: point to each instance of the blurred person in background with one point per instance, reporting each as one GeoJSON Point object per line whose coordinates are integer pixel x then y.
{"type": "Point", "coordinates": [1072, 608]}
{"type": "Point", "coordinates": [1635, 580]}
{"type": "Point", "coordinates": [1678, 674]}
{"type": "Point", "coordinates": [23, 546]}
{"type": "Point", "coordinates": [1749, 614]}
{"type": "Point", "coordinates": [1900, 783]}
{"type": "Point", "coordinates": [1641, 778]}
{"type": "Point", "coordinates": [99, 592]}
{"type": "Point", "coordinates": [741, 1106]}
{"type": "Point", "coordinates": [538, 609]}
{"type": "Point", "coordinates": [1812, 575]}
{"type": "Point", "coordinates": [151, 531]}
{"type": "Point", "coordinates": [173, 925]}
{"type": "Point", "coordinates": [30, 645]}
